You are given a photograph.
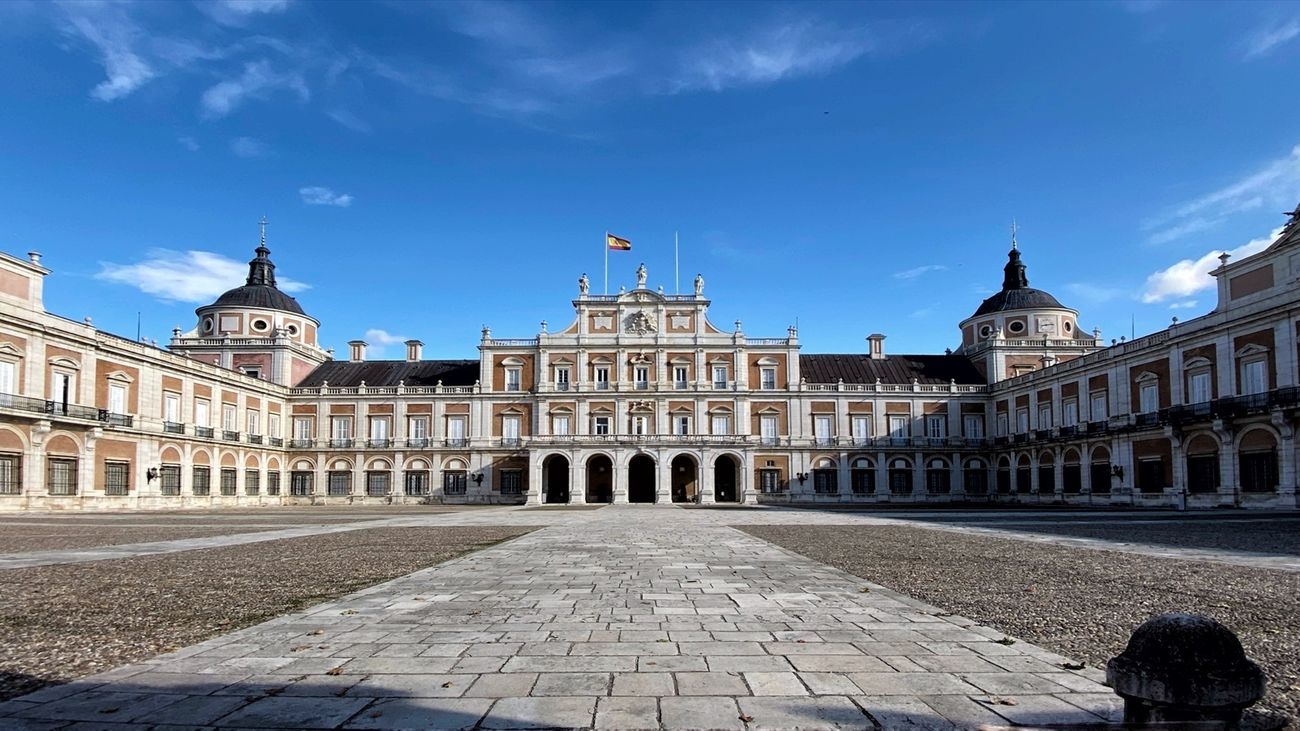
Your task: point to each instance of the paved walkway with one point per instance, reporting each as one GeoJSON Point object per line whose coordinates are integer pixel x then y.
{"type": "Point", "coordinates": [627, 617]}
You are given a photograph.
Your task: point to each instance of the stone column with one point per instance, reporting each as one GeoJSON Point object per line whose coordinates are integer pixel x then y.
{"type": "Point", "coordinates": [704, 480]}
{"type": "Point", "coordinates": [535, 484]}
{"type": "Point", "coordinates": [842, 477]}
{"type": "Point", "coordinates": [618, 478]}
{"type": "Point", "coordinates": [918, 477]}
{"type": "Point", "coordinates": [883, 493]}
{"type": "Point", "coordinates": [1058, 474]}
{"type": "Point", "coordinates": [663, 478]}
{"type": "Point", "coordinates": [1229, 488]}
{"type": "Point", "coordinates": [748, 491]}
{"type": "Point", "coordinates": [577, 480]}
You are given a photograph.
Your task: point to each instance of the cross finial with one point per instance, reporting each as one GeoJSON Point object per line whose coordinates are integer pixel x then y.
{"type": "Point", "coordinates": [1295, 215]}
{"type": "Point", "coordinates": [1014, 229]}
{"type": "Point", "coordinates": [262, 225]}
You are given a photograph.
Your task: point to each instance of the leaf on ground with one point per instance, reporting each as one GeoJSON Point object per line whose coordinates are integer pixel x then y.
{"type": "Point", "coordinates": [1000, 701]}
{"type": "Point", "coordinates": [447, 684]}
{"type": "Point", "coordinates": [1006, 641]}
{"type": "Point", "coordinates": [338, 670]}
{"type": "Point", "coordinates": [299, 648]}
{"type": "Point", "coordinates": [316, 632]}
{"type": "Point", "coordinates": [864, 590]}
{"type": "Point", "coordinates": [1073, 665]}
{"type": "Point", "coordinates": [745, 718]}
{"type": "Point", "coordinates": [348, 611]}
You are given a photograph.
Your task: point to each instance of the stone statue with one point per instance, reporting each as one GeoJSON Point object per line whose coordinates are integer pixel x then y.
{"type": "Point", "coordinates": [584, 285]}
{"type": "Point", "coordinates": [640, 276]}
{"type": "Point", "coordinates": [699, 284]}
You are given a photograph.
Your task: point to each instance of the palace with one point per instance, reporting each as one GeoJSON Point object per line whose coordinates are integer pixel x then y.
{"type": "Point", "coordinates": [641, 398]}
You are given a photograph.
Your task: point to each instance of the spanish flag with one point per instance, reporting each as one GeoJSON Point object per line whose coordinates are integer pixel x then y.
{"type": "Point", "coordinates": [617, 244]}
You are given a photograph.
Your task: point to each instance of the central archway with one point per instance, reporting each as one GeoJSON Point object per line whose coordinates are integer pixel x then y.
{"type": "Point", "coordinates": [685, 484]}
{"type": "Point", "coordinates": [641, 479]}
{"type": "Point", "coordinates": [600, 479]}
{"type": "Point", "coordinates": [724, 480]}
{"type": "Point", "coordinates": [555, 479]}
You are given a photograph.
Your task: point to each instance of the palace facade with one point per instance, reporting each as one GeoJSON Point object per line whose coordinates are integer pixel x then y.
{"type": "Point", "coordinates": [641, 398]}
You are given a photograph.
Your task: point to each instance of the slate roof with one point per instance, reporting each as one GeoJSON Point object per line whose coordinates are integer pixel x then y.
{"type": "Point", "coordinates": [259, 295]}
{"type": "Point", "coordinates": [390, 372]}
{"type": "Point", "coordinates": [897, 369]}
{"type": "Point", "coordinates": [1024, 298]}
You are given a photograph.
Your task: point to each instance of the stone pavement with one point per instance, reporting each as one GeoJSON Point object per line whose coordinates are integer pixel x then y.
{"type": "Point", "coordinates": [630, 617]}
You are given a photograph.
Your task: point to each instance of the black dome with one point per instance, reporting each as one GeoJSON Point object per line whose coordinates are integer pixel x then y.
{"type": "Point", "coordinates": [1016, 293]}
{"type": "Point", "coordinates": [259, 295]}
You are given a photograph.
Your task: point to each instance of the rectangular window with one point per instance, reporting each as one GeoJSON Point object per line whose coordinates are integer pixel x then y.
{"type": "Point", "coordinates": [169, 479]}
{"type": "Point", "coordinates": [116, 398]}
{"type": "Point", "coordinates": [252, 482]}
{"type": "Point", "coordinates": [11, 474]}
{"type": "Point", "coordinates": [377, 483]}
{"type": "Point", "coordinates": [1022, 420]}
{"type": "Point", "coordinates": [339, 483]}
{"type": "Point", "coordinates": [202, 482]}
{"type": "Point", "coordinates": [861, 429]}
{"type": "Point", "coordinates": [767, 378]}
{"type": "Point", "coordinates": [936, 426]}
{"type": "Point", "coordinates": [560, 425]}
{"type": "Point", "coordinates": [300, 483]}
{"type": "Point", "coordinates": [273, 425]}
{"type": "Point", "coordinates": [823, 431]}
{"type": "Point", "coordinates": [640, 425]}
{"type": "Point", "coordinates": [1198, 387]}
{"type": "Point", "coordinates": [1070, 412]}
{"type": "Point", "coordinates": [456, 431]}
{"type": "Point", "coordinates": [117, 478]}
{"type": "Point", "coordinates": [641, 377]}
{"type": "Point", "coordinates": [303, 428]}
{"type": "Point", "coordinates": [1148, 398]}
{"type": "Point", "coordinates": [454, 482]}
{"type": "Point", "coordinates": [681, 425]}
{"type": "Point", "coordinates": [172, 408]}
{"type": "Point", "coordinates": [720, 377]}
{"type": "Point", "coordinates": [254, 421]}
{"type": "Point", "coordinates": [600, 425]}
{"type": "Point", "coordinates": [1002, 424]}
{"type": "Point", "coordinates": [201, 413]}
{"type": "Point", "coordinates": [680, 379]}
{"type": "Point", "coordinates": [767, 429]}
{"type": "Point", "coordinates": [8, 382]}
{"type": "Point", "coordinates": [562, 379]}
{"type": "Point", "coordinates": [512, 379]}
{"type": "Point", "coordinates": [602, 378]}
{"type": "Point", "coordinates": [1044, 417]}
{"type": "Point", "coordinates": [272, 483]}
{"type": "Point", "coordinates": [341, 431]}
{"type": "Point", "coordinates": [1254, 376]}
{"type": "Point", "coordinates": [512, 482]}
{"type": "Point", "coordinates": [900, 426]}
{"type": "Point", "coordinates": [826, 482]}
{"type": "Point", "coordinates": [417, 427]}
{"type": "Point", "coordinates": [379, 431]}
{"type": "Point", "coordinates": [510, 430]}
{"type": "Point", "coordinates": [228, 421]}
{"type": "Point", "coordinates": [973, 426]}
{"type": "Point", "coordinates": [416, 482]}
{"type": "Point", "coordinates": [61, 390]}
{"type": "Point", "coordinates": [769, 480]}
{"type": "Point", "coordinates": [721, 424]}
{"type": "Point", "coordinates": [228, 477]}
{"type": "Point", "coordinates": [1097, 409]}
{"type": "Point", "coordinates": [61, 476]}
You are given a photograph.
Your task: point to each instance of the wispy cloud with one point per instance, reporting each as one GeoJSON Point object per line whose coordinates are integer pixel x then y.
{"type": "Point", "coordinates": [114, 35]}
{"type": "Point", "coordinates": [1184, 305]}
{"type": "Point", "coordinates": [188, 143]}
{"type": "Point", "coordinates": [249, 147]}
{"type": "Point", "coordinates": [349, 120]}
{"type": "Point", "coordinates": [319, 196]}
{"type": "Point", "coordinates": [194, 276]}
{"type": "Point", "coordinates": [241, 12]}
{"type": "Point", "coordinates": [1190, 276]}
{"type": "Point", "coordinates": [1265, 40]}
{"type": "Point", "coordinates": [1093, 293]}
{"type": "Point", "coordinates": [377, 339]}
{"type": "Point", "coordinates": [257, 81]}
{"type": "Point", "coordinates": [914, 272]}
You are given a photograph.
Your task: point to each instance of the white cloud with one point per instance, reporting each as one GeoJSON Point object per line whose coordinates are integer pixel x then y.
{"type": "Point", "coordinates": [376, 339]}
{"type": "Point", "coordinates": [240, 12]}
{"type": "Point", "coordinates": [1188, 277]}
{"type": "Point", "coordinates": [249, 147]}
{"type": "Point", "coordinates": [318, 196]}
{"type": "Point", "coordinates": [1265, 40]}
{"type": "Point", "coordinates": [914, 272]}
{"type": "Point", "coordinates": [1185, 305]}
{"type": "Point", "coordinates": [193, 276]}
{"type": "Point", "coordinates": [349, 120]}
{"type": "Point", "coordinates": [114, 35]}
{"type": "Point", "coordinates": [1277, 183]}
{"type": "Point", "coordinates": [257, 81]}
{"type": "Point", "coordinates": [1093, 293]}
{"type": "Point", "coordinates": [188, 143]}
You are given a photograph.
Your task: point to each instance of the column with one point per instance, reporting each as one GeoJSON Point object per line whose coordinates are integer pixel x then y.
{"type": "Point", "coordinates": [883, 492]}
{"type": "Point", "coordinates": [1177, 489]}
{"type": "Point", "coordinates": [663, 478]}
{"type": "Point", "coordinates": [577, 480]}
{"type": "Point", "coordinates": [705, 480]}
{"type": "Point", "coordinates": [618, 478]}
{"type": "Point", "coordinates": [842, 477]}
{"type": "Point", "coordinates": [1058, 475]}
{"type": "Point", "coordinates": [535, 484]}
{"type": "Point", "coordinates": [1229, 489]}
{"type": "Point", "coordinates": [918, 476]}
{"type": "Point", "coordinates": [748, 491]}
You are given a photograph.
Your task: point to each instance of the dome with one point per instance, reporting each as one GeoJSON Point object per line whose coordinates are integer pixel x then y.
{"type": "Point", "coordinates": [1016, 293]}
{"type": "Point", "coordinates": [259, 295]}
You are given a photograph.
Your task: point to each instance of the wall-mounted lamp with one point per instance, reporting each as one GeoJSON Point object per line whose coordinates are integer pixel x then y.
{"type": "Point", "coordinates": [151, 474]}
{"type": "Point", "coordinates": [802, 477]}
{"type": "Point", "coordinates": [477, 478]}
{"type": "Point", "coordinates": [1117, 471]}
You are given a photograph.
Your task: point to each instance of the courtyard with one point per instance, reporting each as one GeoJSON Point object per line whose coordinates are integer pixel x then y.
{"type": "Point", "coordinates": [628, 616]}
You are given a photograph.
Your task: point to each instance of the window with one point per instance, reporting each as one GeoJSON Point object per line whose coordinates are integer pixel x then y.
{"type": "Point", "coordinates": [377, 483]}
{"type": "Point", "coordinates": [416, 482]}
{"type": "Point", "coordinates": [453, 482]}
{"type": "Point", "coordinates": [116, 398]}
{"type": "Point", "coordinates": [11, 474]}
{"type": "Point", "coordinates": [1044, 417]}
{"type": "Point", "coordinates": [680, 379]}
{"type": "Point", "coordinates": [251, 371]}
{"type": "Point", "coordinates": [1259, 471]}
{"type": "Point", "coordinates": [721, 424]}
{"type": "Point", "coordinates": [273, 425]}
{"type": "Point", "coordinates": [254, 422]}
{"type": "Point", "coordinates": [379, 431]}
{"type": "Point", "coordinates": [456, 431]}
{"type": "Point", "coordinates": [861, 429]}
{"type": "Point", "coordinates": [1022, 420]}
{"type": "Point", "coordinates": [769, 480]}
{"type": "Point", "coordinates": [862, 478]}
{"type": "Point", "coordinates": [201, 410]}
{"type": "Point", "coordinates": [720, 377]}
{"type": "Point", "coordinates": [61, 476]}
{"type": "Point", "coordinates": [61, 390]}
{"type": "Point", "coordinates": [767, 429]}
{"type": "Point", "coordinates": [560, 425]}
{"type": "Point", "coordinates": [510, 430]}
{"type": "Point", "coordinates": [1148, 398]}
{"type": "Point", "coordinates": [640, 425]}
{"type": "Point", "coordinates": [417, 429]}
{"type": "Point", "coordinates": [900, 426]}
{"type": "Point", "coordinates": [681, 425]}
{"type": "Point", "coordinates": [202, 483]}
{"type": "Point", "coordinates": [272, 483]}
{"type": "Point", "coordinates": [117, 478]}
{"type": "Point", "coordinates": [171, 408]}
{"type": "Point", "coordinates": [973, 426]}
{"type": "Point", "coordinates": [512, 379]}
{"type": "Point", "coordinates": [936, 426]}
{"type": "Point", "coordinates": [512, 482]}
{"type": "Point", "coordinates": [1202, 473]}
{"type": "Point", "coordinates": [602, 378]}
{"type": "Point", "coordinates": [1151, 475]}
{"type": "Point", "coordinates": [1070, 412]}
{"type": "Point", "coordinates": [600, 425]}
{"type": "Point", "coordinates": [641, 377]}
{"type": "Point", "coordinates": [228, 422]}
{"type": "Point", "coordinates": [1002, 424]}
{"type": "Point", "coordinates": [252, 482]}
{"type": "Point", "coordinates": [341, 431]}
{"type": "Point", "coordinates": [767, 378]}
{"type": "Point", "coordinates": [8, 383]}
{"type": "Point", "coordinates": [1254, 376]}
{"type": "Point", "coordinates": [228, 478]}
{"type": "Point", "coordinates": [826, 481]}
{"type": "Point", "coordinates": [169, 479]}
{"type": "Point", "coordinates": [302, 430]}
{"type": "Point", "coordinates": [339, 483]}
{"type": "Point", "coordinates": [1097, 410]}
{"type": "Point", "coordinates": [822, 430]}
{"type": "Point", "coordinates": [562, 378]}
{"type": "Point", "coordinates": [300, 483]}
{"type": "Point", "coordinates": [1198, 387]}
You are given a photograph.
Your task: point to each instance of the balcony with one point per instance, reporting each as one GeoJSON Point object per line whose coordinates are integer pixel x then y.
{"type": "Point", "coordinates": [379, 443]}
{"type": "Point", "coordinates": [417, 442]}
{"type": "Point", "coordinates": [1020, 438]}
{"type": "Point", "coordinates": [204, 432]}
{"type": "Point", "coordinates": [681, 385]}
{"type": "Point", "coordinates": [1068, 432]}
{"type": "Point", "coordinates": [300, 444]}
{"type": "Point", "coordinates": [641, 385]}
{"type": "Point", "coordinates": [1191, 412]}
{"type": "Point", "coordinates": [341, 443]}
{"type": "Point", "coordinates": [230, 436]}
{"type": "Point", "coordinates": [52, 408]}
{"type": "Point", "coordinates": [455, 442]}
{"type": "Point", "coordinates": [823, 441]}
{"type": "Point", "coordinates": [512, 442]}
{"type": "Point", "coordinates": [276, 442]}
{"type": "Point", "coordinates": [1042, 435]}
{"type": "Point", "coordinates": [171, 427]}
{"type": "Point", "coordinates": [1001, 441]}
{"type": "Point", "coordinates": [1150, 419]}
{"type": "Point", "coordinates": [254, 438]}
{"type": "Point", "coordinates": [561, 385]}
{"type": "Point", "coordinates": [1098, 427]}
{"type": "Point", "coordinates": [602, 385]}
{"type": "Point", "coordinates": [119, 420]}
{"type": "Point", "coordinates": [1232, 406]}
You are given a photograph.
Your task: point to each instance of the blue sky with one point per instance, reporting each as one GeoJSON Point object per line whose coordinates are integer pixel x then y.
{"type": "Point", "coordinates": [430, 168]}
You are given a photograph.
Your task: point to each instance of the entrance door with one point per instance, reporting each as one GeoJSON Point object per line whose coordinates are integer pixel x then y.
{"type": "Point", "coordinates": [684, 487]}
{"type": "Point", "coordinates": [641, 480]}
{"type": "Point", "coordinates": [557, 479]}
{"type": "Point", "coordinates": [600, 479]}
{"type": "Point", "coordinates": [724, 480]}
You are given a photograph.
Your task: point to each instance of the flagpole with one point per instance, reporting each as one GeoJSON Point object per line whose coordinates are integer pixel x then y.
{"type": "Point", "coordinates": [677, 278]}
{"type": "Point", "coordinates": [606, 242]}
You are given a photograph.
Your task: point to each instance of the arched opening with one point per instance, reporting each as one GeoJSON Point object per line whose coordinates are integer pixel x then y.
{"type": "Point", "coordinates": [1099, 473]}
{"type": "Point", "coordinates": [1023, 482]}
{"type": "Point", "coordinates": [600, 479]}
{"type": "Point", "coordinates": [1202, 464]}
{"type": "Point", "coordinates": [724, 480]}
{"type": "Point", "coordinates": [900, 476]}
{"type": "Point", "coordinates": [641, 479]}
{"type": "Point", "coordinates": [975, 477]}
{"type": "Point", "coordinates": [1046, 474]}
{"type": "Point", "coordinates": [826, 477]}
{"type": "Point", "coordinates": [1258, 457]}
{"type": "Point", "coordinates": [1004, 476]}
{"type": "Point", "coordinates": [555, 479]}
{"type": "Point", "coordinates": [862, 476]}
{"type": "Point", "coordinates": [938, 479]}
{"type": "Point", "coordinates": [1071, 473]}
{"type": "Point", "coordinates": [685, 479]}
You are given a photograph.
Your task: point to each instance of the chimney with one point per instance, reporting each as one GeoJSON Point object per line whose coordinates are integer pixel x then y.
{"type": "Point", "coordinates": [358, 350]}
{"type": "Point", "coordinates": [34, 257]}
{"type": "Point", "coordinates": [876, 346]}
{"type": "Point", "coordinates": [413, 350]}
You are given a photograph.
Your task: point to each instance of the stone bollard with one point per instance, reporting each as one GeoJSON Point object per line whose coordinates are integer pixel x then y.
{"type": "Point", "coordinates": [1184, 669]}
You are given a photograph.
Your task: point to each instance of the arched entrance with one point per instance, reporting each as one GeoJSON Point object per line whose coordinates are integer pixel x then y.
{"type": "Point", "coordinates": [555, 479]}
{"type": "Point", "coordinates": [600, 479]}
{"type": "Point", "coordinates": [641, 479]}
{"type": "Point", "coordinates": [685, 483]}
{"type": "Point", "coordinates": [724, 480]}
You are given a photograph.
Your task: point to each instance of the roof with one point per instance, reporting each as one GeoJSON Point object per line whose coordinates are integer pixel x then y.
{"type": "Point", "coordinates": [259, 295]}
{"type": "Point", "coordinates": [391, 372]}
{"type": "Point", "coordinates": [897, 369]}
{"type": "Point", "coordinates": [1025, 298]}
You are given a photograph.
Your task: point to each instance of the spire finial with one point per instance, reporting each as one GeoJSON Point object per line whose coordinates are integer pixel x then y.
{"type": "Point", "coordinates": [262, 226]}
{"type": "Point", "coordinates": [1014, 229]}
